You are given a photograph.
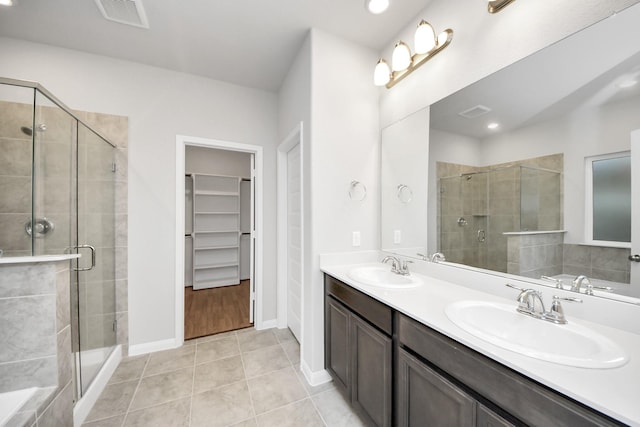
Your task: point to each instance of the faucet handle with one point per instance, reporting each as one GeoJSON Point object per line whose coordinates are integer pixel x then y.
{"type": "Point", "coordinates": [404, 267]}
{"type": "Point", "coordinates": [556, 313]}
{"type": "Point", "coordinates": [558, 282]}
{"type": "Point", "coordinates": [509, 285]}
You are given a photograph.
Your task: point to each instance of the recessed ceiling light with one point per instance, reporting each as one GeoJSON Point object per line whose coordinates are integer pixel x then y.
{"type": "Point", "coordinates": [627, 84]}
{"type": "Point", "coordinates": [493, 126]}
{"type": "Point", "coordinates": [376, 6]}
{"type": "Point", "coordinates": [6, 2]}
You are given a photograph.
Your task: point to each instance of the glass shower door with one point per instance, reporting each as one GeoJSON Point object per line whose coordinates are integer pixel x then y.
{"type": "Point", "coordinates": [95, 276]}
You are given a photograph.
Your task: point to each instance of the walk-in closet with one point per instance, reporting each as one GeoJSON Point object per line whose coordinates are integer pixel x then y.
{"type": "Point", "coordinates": [218, 220]}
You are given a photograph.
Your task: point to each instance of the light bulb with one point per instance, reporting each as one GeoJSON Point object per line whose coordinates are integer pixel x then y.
{"type": "Point", "coordinates": [6, 2]}
{"type": "Point", "coordinates": [381, 74]}
{"type": "Point", "coordinates": [425, 38]}
{"type": "Point", "coordinates": [377, 6]}
{"type": "Point", "coordinates": [493, 125]}
{"type": "Point", "coordinates": [401, 57]}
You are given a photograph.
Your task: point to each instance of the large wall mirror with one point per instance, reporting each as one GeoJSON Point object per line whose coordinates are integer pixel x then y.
{"type": "Point", "coordinates": [507, 162]}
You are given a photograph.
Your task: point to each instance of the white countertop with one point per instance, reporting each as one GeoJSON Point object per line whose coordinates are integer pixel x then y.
{"type": "Point", "coordinates": [615, 392]}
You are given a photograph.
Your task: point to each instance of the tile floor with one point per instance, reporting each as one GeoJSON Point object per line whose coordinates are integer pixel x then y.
{"type": "Point", "coordinates": [239, 378]}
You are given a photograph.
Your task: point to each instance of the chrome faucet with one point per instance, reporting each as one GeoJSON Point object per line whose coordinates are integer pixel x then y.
{"type": "Point", "coordinates": [577, 283]}
{"type": "Point", "coordinates": [437, 257]}
{"type": "Point", "coordinates": [530, 303]}
{"type": "Point", "coordinates": [397, 266]}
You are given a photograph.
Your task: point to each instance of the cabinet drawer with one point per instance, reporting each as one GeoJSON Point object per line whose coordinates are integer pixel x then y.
{"type": "Point", "coordinates": [529, 401]}
{"type": "Point", "coordinates": [374, 311]}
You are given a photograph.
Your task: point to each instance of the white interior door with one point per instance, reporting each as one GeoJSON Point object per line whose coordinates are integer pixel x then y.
{"type": "Point", "coordinates": [252, 242]}
{"type": "Point", "coordinates": [635, 212]}
{"type": "Point", "coordinates": [294, 241]}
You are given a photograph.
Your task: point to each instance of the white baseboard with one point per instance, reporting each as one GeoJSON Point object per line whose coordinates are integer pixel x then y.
{"type": "Point", "coordinates": [314, 378]}
{"type": "Point", "coordinates": [267, 324]}
{"type": "Point", "coordinates": [85, 404]}
{"type": "Point", "coordinates": [152, 347]}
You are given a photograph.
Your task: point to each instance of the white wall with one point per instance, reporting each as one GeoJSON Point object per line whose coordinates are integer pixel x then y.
{"type": "Point", "coordinates": [405, 161]}
{"type": "Point", "coordinates": [160, 104]}
{"type": "Point", "coordinates": [482, 44]}
{"type": "Point", "coordinates": [344, 147]}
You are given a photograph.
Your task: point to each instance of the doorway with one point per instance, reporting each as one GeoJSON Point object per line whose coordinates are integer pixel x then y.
{"type": "Point", "coordinates": [218, 254]}
{"type": "Point", "coordinates": [218, 218]}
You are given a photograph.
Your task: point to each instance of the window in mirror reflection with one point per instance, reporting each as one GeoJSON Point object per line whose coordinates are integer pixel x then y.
{"type": "Point", "coordinates": [609, 181]}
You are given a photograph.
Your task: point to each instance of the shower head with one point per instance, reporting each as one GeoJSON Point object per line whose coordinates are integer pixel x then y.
{"type": "Point", "coordinates": [29, 130]}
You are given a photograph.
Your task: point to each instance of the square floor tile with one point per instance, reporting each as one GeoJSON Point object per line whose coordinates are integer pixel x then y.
{"type": "Point", "coordinates": [215, 337]}
{"type": "Point", "coordinates": [214, 350]}
{"type": "Point", "coordinates": [314, 389]}
{"type": "Point", "coordinates": [170, 360]}
{"type": "Point", "coordinates": [218, 373]}
{"type": "Point", "coordinates": [222, 406]}
{"type": "Point", "coordinates": [129, 369]}
{"type": "Point", "coordinates": [174, 414]}
{"type": "Point", "coordinates": [275, 389]}
{"type": "Point", "coordinates": [335, 410]}
{"type": "Point", "coordinates": [292, 349]}
{"type": "Point", "coordinates": [114, 400]}
{"type": "Point", "coordinates": [302, 413]}
{"type": "Point", "coordinates": [162, 388]}
{"type": "Point", "coordinates": [253, 339]}
{"type": "Point", "coordinates": [284, 335]}
{"type": "Point", "coordinates": [107, 422]}
{"type": "Point", "coordinates": [264, 360]}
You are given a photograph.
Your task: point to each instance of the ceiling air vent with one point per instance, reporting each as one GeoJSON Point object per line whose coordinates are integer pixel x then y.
{"type": "Point", "coordinates": [129, 12]}
{"type": "Point", "coordinates": [474, 112]}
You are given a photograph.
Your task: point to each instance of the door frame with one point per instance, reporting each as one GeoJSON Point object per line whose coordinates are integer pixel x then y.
{"type": "Point", "coordinates": [295, 137]}
{"type": "Point", "coordinates": [182, 141]}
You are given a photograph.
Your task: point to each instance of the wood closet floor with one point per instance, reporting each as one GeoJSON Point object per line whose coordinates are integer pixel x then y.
{"type": "Point", "coordinates": [211, 311]}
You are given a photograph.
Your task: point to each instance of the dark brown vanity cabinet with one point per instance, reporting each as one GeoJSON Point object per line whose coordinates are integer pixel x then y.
{"type": "Point", "coordinates": [436, 380]}
{"type": "Point", "coordinates": [464, 383]}
{"type": "Point", "coordinates": [358, 349]}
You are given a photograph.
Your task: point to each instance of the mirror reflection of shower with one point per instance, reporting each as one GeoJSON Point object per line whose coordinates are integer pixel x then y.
{"type": "Point", "coordinates": [480, 207]}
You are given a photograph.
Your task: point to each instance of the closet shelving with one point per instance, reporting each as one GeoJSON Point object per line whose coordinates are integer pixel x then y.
{"type": "Point", "coordinates": [216, 227]}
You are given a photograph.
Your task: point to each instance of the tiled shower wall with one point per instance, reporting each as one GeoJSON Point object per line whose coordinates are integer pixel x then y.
{"type": "Point", "coordinates": [535, 255]}
{"type": "Point", "coordinates": [37, 330]}
{"type": "Point", "coordinates": [597, 262]}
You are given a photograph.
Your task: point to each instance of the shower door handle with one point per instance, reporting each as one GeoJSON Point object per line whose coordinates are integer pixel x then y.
{"type": "Point", "coordinates": [93, 257]}
{"type": "Point", "coordinates": [481, 236]}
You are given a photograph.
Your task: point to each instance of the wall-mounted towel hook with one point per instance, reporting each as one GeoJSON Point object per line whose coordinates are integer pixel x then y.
{"type": "Point", "coordinates": [357, 191]}
{"type": "Point", "coordinates": [405, 194]}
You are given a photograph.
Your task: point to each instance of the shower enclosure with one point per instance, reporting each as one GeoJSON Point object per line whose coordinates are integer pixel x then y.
{"type": "Point", "coordinates": [477, 208]}
{"type": "Point", "coordinates": [57, 186]}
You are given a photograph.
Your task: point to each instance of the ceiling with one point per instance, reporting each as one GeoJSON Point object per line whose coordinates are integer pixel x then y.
{"type": "Point", "coordinates": [584, 70]}
{"type": "Point", "coordinates": [247, 42]}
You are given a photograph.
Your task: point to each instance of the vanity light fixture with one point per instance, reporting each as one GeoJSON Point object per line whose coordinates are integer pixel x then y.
{"type": "Point", "coordinates": [427, 45]}
{"type": "Point", "coordinates": [376, 6]}
{"type": "Point", "coordinates": [495, 6]}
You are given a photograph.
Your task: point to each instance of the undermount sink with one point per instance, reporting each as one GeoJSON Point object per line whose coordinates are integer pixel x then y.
{"type": "Point", "coordinates": [382, 277]}
{"type": "Point", "coordinates": [570, 344]}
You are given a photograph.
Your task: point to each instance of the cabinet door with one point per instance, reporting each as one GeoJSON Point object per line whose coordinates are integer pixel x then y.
{"type": "Point", "coordinates": [371, 371]}
{"type": "Point", "coordinates": [487, 418]}
{"type": "Point", "coordinates": [427, 399]}
{"type": "Point", "coordinates": [337, 343]}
